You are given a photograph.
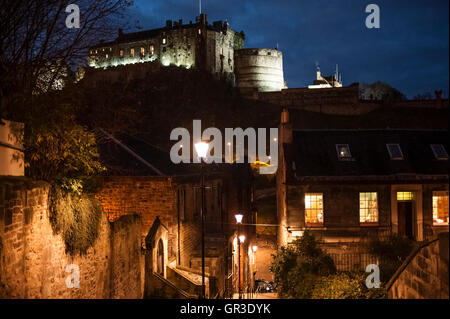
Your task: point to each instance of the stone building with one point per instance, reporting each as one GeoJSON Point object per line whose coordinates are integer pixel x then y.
{"type": "Point", "coordinates": [167, 197]}
{"type": "Point", "coordinates": [206, 46]}
{"type": "Point", "coordinates": [347, 186]}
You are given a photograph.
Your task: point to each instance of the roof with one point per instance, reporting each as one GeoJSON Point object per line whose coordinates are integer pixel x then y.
{"type": "Point", "coordinates": [314, 152]}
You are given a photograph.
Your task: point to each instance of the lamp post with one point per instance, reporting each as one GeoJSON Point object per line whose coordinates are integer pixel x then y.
{"type": "Point", "coordinates": [239, 221]}
{"type": "Point", "coordinates": [202, 148]}
{"type": "Point", "coordinates": [241, 241]}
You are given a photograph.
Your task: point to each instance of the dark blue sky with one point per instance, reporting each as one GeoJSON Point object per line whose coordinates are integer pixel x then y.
{"type": "Point", "coordinates": [410, 50]}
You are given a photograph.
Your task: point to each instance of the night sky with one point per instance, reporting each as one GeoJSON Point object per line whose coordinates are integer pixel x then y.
{"type": "Point", "coordinates": [409, 51]}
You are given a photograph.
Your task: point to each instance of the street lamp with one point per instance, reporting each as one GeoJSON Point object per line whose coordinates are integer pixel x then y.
{"type": "Point", "coordinates": [241, 240]}
{"type": "Point", "coordinates": [202, 148]}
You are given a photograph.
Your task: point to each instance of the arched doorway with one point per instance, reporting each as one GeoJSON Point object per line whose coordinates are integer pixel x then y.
{"type": "Point", "coordinates": [160, 258]}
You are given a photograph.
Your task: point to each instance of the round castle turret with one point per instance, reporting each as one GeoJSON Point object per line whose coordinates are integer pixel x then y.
{"type": "Point", "coordinates": [259, 69]}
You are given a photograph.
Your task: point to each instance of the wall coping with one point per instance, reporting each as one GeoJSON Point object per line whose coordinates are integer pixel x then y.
{"type": "Point", "coordinates": [408, 260]}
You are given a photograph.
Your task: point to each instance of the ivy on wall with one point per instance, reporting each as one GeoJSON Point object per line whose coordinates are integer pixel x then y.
{"type": "Point", "coordinates": [76, 217]}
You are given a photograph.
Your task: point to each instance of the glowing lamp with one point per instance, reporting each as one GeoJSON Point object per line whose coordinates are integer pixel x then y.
{"type": "Point", "coordinates": [201, 148]}
{"type": "Point", "coordinates": [242, 238]}
{"type": "Point", "coordinates": [238, 218]}
{"type": "Point", "coordinates": [255, 248]}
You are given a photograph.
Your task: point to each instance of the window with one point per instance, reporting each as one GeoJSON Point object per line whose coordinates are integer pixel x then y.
{"type": "Point", "coordinates": [395, 152]}
{"type": "Point", "coordinates": [152, 49]}
{"type": "Point", "coordinates": [314, 209]}
{"type": "Point", "coordinates": [405, 196]}
{"type": "Point", "coordinates": [199, 31]}
{"type": "Point", "coordinates": [440, 208]}
{"type": "Point", "coordinates": [132, 52]}
{"type": "Point", "coordinates": [107, 56]}
{"type": "Point", "coordinates": [343, 151]}
{"type": "Point", "coordinates": [439, 151]}
{"type": "Point", "coordinates": [368, 208]}
{"type": "Point", "coordinates": [142, 51]}
{"type": "Point", "coordinates": [121, 53]}
{"type": "Point", "coordinates": [164, 41]}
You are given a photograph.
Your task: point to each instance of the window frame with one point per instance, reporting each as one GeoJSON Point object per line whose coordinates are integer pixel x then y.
{"type": "Point", "coordinates": [377, 222]}
{"type": "Point", "coordinates": [390, 153]}
{"type": "Point", "coordinates": [343, 158]}
{"type": "Point", "coordinates": [432, 146]}
{"type": "Point", "coordinates": [433, 195]}
{"type": "Point", "coordinates": [132, 53]}
{"type": "Point", "coordinates": [316, 224]}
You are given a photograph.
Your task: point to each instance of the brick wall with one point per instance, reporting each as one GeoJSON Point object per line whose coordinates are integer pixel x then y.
{"type": "Point", "coordinates": [424, 274]}
{"type": "Point", "coordinates": [33, 259]}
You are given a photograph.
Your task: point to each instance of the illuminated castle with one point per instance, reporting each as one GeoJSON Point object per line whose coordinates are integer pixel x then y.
{"type": "Point", "coordinates": [215, 48]}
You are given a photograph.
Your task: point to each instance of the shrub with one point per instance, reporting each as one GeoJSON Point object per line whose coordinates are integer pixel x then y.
{"type": "Point", "coordinates": [297, 266]}
{"type": "Point", "coordinates": [391, 253]}
{"type": "Point", "coordinates": [76, 217]}
{"type": "Point", "coordinates": [345, 286]}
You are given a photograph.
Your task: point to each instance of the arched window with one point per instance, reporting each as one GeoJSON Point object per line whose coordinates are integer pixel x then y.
{"type": "Point", "coordinates": [160, 258]}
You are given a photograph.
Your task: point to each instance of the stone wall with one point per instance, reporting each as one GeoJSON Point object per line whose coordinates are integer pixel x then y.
{"type": "Point", "coordinates": [33, 260]}
{"type": "Point", "coordinates": [424, 274]}
{"type": "Point", "coordinates": [267, 246]}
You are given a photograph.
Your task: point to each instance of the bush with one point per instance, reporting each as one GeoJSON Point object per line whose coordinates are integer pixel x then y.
{"type": "Point", "coordinates": [391, 253]}
{"type": "Point", "coordinates": [76, 217]}
{"type": "Point", "coordinates": [345, 286]}
{"type": "Point", "coordinates": [297, 267]}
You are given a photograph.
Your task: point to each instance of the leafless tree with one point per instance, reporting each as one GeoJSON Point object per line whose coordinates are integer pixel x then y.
{"type": "Point", "coordinates": [34, 36]}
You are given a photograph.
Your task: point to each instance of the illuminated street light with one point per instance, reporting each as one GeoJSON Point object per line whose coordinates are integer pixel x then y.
{"type": "Point", "coordinates": [242, 239]}
{"type": "Point", "coordinates": [255, 248]}
{"type": "Point", "coordinates": [238, 218]}
{"type": "Point", "coordinates": [201, 148]}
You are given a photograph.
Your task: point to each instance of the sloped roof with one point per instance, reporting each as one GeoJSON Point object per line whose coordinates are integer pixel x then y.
{"type": "Point", "coordinates": [314, 152]}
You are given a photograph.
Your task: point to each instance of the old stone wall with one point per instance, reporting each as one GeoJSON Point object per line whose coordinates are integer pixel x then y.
{"type": "Point", "coordinates": [424, 274]}
{"type": "Point", "coordinates": [33, 259]}
{"type": "Point", "coordinates": [267, 246]}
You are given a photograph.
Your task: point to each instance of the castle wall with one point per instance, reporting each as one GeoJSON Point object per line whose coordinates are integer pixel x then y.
{"type": "Point", "coordinates": [259, 69]}
{"type": "Point", "coordinates": [33, 259]}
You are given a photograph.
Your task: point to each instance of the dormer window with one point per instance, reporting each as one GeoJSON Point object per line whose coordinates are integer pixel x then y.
{"type": "Point", "coordinates": [343, 152]}
{"type": "Point", "coordinates": [395, 152]}
{"type": "Point", "coordinates": [439, 151]}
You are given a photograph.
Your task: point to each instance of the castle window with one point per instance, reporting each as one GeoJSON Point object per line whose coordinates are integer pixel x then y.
{"type": "Point", "coordinates": [132, 52]}
{"type": "Point", "coordinates": [121, 53]}
{"type": "Point", "coordinates": [152, 49]}
{"type": "Point", "coordinates": [314, 209]}
{"type": "Point", "coordinates": [439, 151]}
{"type": "Point", "coordinates": [368, 208]}
{"type": "Point", "coordinates": [440, 208]}
{"type": "Point", "coordinates": [343, 151]}
{"type": "Point", "coordinates": [142, 51]}
{"type": "Point", "coordinates": [164, 41]}
{"type": "Point", "coordinates": [395, 152]}
{"type": "Point", "coordinates": [107, 56]}
{"type": "Point", "coordinates": [199, 31]}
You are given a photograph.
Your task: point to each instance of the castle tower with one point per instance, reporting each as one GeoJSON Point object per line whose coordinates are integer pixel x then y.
{"type": "Point", "coordinates": [259, 70]}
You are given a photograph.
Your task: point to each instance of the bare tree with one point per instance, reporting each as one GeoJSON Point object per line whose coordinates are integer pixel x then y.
{"type": "Point", "coordinates": [34, 37]}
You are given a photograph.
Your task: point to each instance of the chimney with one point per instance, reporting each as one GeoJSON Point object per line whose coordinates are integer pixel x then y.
{"type": "Point", "coordinates": [120, 32]}
{"type": "Point", "coordinates": [169, 24]}
{"type": "Point", "coordinates": [319, 76]}
{"type": "Point", "coordinates": [180, 22]}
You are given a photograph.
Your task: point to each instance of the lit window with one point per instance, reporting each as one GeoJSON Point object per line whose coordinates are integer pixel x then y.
{"type": "Point", "coordinates": [368, 208]}
{"type": "Point", "coordinates": [405, 195]}
{"type": "Point", "coordinates": [314, 209]}
{"type": "Point", "coordinates": [440, 208]}
{"type": "Point", "coordinates": [152, 49]}
{"type": "Point", "coordinates": [96, 51]}
{"type": "Point", "coordinates": [107, 56]}
{"type": "Point", "coordinates": [199, 31]}
{"type": "Point", "coordinates": [343, 151]}
{"type": "Point", "coordinates": [439, 151]}
{"type": "Point", "coordinates": [395, 152]}
{"type": "Point", "coordinates": [121, 53]}
{"type": "Point", "coordinates": [132, 52]}
{"type": "Point", "coordinates": [142, 51]}
{"type": "Point", "coordinates": [164, 41]}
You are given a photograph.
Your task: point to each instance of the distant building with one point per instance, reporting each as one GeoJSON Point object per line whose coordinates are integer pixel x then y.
{"type": "Point", "coordinates": [199, 44]}
{"type": "Point", "coordinates": [322, 82]}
